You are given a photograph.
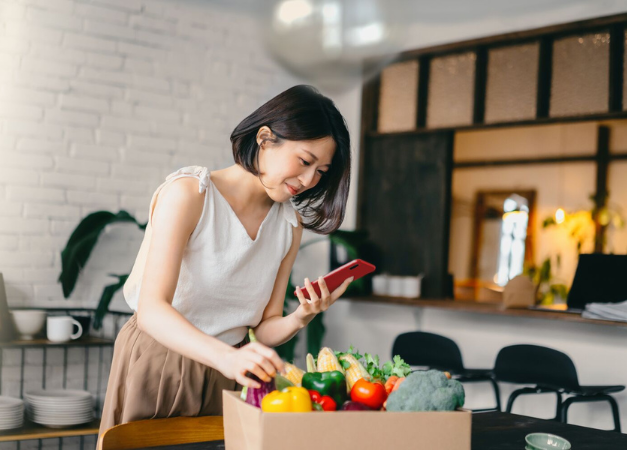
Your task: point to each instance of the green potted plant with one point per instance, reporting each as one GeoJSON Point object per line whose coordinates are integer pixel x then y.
{"type": "Point", "coordinates": [547, 290]}
{"type": "Point", "coordinates": [78, 249]}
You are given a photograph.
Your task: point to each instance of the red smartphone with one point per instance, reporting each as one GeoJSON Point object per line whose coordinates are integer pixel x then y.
{"type": "Point", "coordinates": [356, 268]}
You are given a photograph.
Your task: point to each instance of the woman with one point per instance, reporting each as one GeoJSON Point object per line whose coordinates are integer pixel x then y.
{"type": "Point", "coordinates": [216, 259]}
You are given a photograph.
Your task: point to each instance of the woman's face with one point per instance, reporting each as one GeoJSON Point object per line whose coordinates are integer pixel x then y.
{"type": "Point", "coordinates": [292, 167]}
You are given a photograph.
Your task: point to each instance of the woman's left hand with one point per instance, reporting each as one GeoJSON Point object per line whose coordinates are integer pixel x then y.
{"type": "Point", "coordinates": [308, 309]}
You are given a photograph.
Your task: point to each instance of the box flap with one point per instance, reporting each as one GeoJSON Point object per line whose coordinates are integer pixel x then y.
{"type": "Point", "coordinates": [242, 424]}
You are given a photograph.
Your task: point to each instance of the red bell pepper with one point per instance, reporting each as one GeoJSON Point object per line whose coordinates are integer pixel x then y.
{"type": "Point", "coordinates": [326, 402]}
{"type": "Point", "coordinates": [370, 394]}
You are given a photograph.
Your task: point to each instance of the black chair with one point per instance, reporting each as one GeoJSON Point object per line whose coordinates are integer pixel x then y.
{"type": "Point", "coordinates": [550, 371]}
{"type": "Point", "coordinates": [434, 351]}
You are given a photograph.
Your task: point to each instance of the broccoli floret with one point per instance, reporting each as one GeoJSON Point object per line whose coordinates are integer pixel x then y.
{"type": "Point", "coordinates": [427, 391]}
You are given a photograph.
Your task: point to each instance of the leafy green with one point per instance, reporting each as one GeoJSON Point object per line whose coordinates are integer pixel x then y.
{"type": "Point", "coordinates": [351, 351]}
{"type": "Point", "coordinates": [371, 363]}
{"type": "Point", "coordinates": [397, 367]}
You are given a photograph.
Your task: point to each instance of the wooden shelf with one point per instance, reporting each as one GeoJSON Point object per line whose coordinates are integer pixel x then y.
{"type": "Point", "coordinates": [32, 430]}
{"type": "Point", "coordinates": [88, 341]}
{"type": "Point", "coordinates": [488, 308]}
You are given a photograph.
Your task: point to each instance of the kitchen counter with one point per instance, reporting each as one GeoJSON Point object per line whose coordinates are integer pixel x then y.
{"type": "Point", "coordinates": [488, 308]}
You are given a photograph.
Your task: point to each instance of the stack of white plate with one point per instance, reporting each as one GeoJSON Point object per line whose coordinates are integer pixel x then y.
{"type": "Point", "coordinates": [60, 407]}
{"type": "Point", "coordinates": [11, 413]}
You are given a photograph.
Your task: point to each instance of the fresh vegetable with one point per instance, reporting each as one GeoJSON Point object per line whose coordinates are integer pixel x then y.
{"type": "Point", "coordinates": [398, 383]}
{"type": "Point", "coordinates": [328, 362]}
{"type": "Point", "coordinates": [316, 407]}
{"type": "Point", "coordinates": [427, 391]}
{"type": "Point", "coordinates": [397, 366]}
{"type": "Point", "coordinates": [311, 364]}
{"type": "Point", "coordinates": [389, 384]}
{"type": "Point", "coordinates": [354, 406]}
{"type": "Point", "coordinates": [281, 382]}
{"type": "Point", "coordinates": [254, 396]}
{"type": "Point", "coordinates": [291, 399]}
{"type": "Point", "coordinates": [354, 369]}
{"type": "Point", "coordinates": [326, 403]}
{"type": "Point", "coordinates": [370, 394]}
{"type": "Point", "coordinates": [294, 374]}
{"type": "Point", "coordinates": [393, 383]}
{"type": "Point", "coordinates": [332, 384]}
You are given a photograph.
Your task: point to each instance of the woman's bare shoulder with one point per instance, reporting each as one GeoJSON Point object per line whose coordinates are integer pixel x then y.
{"type": "Point", "coordinates": [179, 201]}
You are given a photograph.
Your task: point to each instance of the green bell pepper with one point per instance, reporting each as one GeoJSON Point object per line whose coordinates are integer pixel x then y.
{"type": "Point", "coordinates": [331, 383]}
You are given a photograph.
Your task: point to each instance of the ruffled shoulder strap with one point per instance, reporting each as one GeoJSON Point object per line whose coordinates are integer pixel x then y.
{"type": "Point", "coordinates": [196, 171]}
{"type": "Point", "coordinates": [289, 213]}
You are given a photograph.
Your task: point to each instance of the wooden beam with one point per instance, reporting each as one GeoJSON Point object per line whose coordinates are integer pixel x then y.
{"type": "Point", "coordinates": [545, 76]}
{"type": "Point", "coordinates": [424, 69]}
{"type": "Point", "coordinates": [522, 123]}
{"type": "Point", "coordinates": [517, 36]}
{"type": "Point", "coordinates": [369, 105]}
{"type": "Point", "coordinates": [617, 56]}
{"type": "Point", "coordinates": [601, 194]}
{"type": "Point", "coordinates": [523, 161]}
{"type": "Point", "coordinates": [481, 80]}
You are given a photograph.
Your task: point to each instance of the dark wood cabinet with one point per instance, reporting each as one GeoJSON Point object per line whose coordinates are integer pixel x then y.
{"type": "Point", "coordinates": [404, 205]}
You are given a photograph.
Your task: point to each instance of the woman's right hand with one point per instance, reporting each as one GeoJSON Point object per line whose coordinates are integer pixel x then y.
{"type": "Point", "coordinates": [255, 358]}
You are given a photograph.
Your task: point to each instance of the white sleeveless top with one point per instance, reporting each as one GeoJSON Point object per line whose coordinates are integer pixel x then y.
{"type": "Point", "coordinates": [226, 278]}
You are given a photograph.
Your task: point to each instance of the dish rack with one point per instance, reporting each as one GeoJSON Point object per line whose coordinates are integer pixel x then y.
{"type": "Point", "coordinates": [98, 350]}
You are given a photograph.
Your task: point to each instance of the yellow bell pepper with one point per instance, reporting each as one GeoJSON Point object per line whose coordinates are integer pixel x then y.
{"type": "Point", "coordinates": [290, 399]}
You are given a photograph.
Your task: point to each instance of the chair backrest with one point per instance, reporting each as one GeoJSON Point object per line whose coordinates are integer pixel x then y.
{"type": "Point", "coordinates": [158, 432]}
{"type": "Point", "coordinates": [533, 364]}
{"type": "Point", "coordinates": [418, 348]}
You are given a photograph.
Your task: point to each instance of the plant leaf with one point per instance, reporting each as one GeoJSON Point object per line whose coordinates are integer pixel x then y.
{"type": "Point", "coordinates": [105, 300]}
{"type": "Point", "coordinates": [81, 243]}
{"type": "Point", "coordinates": [315, 334]}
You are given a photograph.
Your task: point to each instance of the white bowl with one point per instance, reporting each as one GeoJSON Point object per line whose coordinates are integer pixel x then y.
{"type": "Point", "coordinates": [29, 322]}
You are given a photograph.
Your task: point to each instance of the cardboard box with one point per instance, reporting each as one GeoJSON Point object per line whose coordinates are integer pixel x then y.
{"type": "Point", "coordinates": [248, 428]}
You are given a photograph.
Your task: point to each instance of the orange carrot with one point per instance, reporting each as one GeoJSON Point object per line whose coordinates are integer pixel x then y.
{"type": "Point", "coordinates": [389, 384]}
{"type": "Point", "coordinates": [398, 383]}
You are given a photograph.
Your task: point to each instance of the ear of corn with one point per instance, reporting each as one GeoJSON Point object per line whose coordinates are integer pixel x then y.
{"type": "Point", "coordinates": [327, 361]}
{"type": "Point", "coordinates": [294, 374]}
{"type": "Point", "coordinates": [355, 371]}
{"type": "Point", "coordinates": [311, 364]}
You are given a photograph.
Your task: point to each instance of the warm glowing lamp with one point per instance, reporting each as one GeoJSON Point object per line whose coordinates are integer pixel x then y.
{"type": "Point", "coordinates": [559, 216]}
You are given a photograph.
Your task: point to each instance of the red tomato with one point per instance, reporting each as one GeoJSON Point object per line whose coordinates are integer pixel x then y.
{"type": "Point", "coordinates": [371, 394]}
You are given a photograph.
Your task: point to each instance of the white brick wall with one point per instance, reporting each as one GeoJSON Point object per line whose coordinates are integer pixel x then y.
{"type": "Point", "coordinates": [99, 101]}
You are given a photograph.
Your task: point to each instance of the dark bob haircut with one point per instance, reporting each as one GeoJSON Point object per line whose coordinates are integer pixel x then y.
{"type": "Point", "coordinates": [302, 113]}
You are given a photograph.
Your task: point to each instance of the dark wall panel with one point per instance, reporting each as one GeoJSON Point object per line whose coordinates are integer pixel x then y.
{"type": "Point", "coordinates": [405, 205]}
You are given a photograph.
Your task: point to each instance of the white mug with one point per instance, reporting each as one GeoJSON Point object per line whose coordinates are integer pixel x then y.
{"type": "Point", "coordinates": [395, 286]}
{"type": "Point", "coordinates": [411, 286]}
{"type": "Point", "coordinates": [59, 328]}
{"type": "Point", "coordinates": [380, 284]}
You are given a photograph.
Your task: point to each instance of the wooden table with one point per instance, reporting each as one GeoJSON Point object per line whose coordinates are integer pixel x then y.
{"type": "Point", "coordinates": [500, 431]}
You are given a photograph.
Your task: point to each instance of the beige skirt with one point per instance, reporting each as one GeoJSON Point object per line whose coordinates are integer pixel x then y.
{"type": "Point", "coordinates": [149, 381]}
